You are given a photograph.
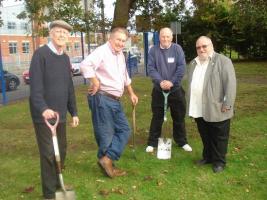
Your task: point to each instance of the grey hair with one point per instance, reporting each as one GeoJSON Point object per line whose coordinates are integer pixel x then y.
{"type": "Point", "coordinates": [205, 37]}
{"type": "Point", "coordinates": [165, 28]}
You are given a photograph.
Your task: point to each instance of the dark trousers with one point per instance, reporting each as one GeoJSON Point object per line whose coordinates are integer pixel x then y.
{"type": "Point", "coordinates": [49, 176]}
{"type": "Point", "coordinates": [177, 105]}
{"type": "Point", "coordinates": [215, 136]}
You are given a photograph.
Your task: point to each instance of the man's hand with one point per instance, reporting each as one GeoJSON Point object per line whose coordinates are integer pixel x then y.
{"type": "Point", "coordinates": [94, 86]}
{"type": "Point", "coordinates": [48, 114]}
{"type": "Point", "coordinates": [225, 109]}
{"type": "Point", "coordinates": [75, 121]}
{"type": "Point", "coordinates": [166, 85]}
{"type": "Point", "coordinates": [134, 99]}
{"type": "Point", "coordinates": [132, 95]}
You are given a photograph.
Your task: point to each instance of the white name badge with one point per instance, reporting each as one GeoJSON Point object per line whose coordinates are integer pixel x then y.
{"type": "Point", "coordinates": [170, 60]}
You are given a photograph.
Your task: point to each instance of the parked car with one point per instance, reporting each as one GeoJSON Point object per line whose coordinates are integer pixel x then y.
{"type": "Point", "coordinates": [75, 65]}
{"type": "Point", "coordinates": [11, 80]}
{"type": "Point", "coordinates": [26, 76]}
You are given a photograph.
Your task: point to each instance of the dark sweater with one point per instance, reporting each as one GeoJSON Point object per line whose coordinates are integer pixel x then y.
{"type": "Point", "coordinates": [51, 84]}
{"type": "Point", "coordinates": [166, 64]}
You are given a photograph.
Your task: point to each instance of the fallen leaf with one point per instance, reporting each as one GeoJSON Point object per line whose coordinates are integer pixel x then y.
{"type": "Point", "coordinates": [104, 192]}
{"type": "Point", "coordinates": [100, 180]}
{"type": "Point", "coordinates": [28, 189]}
{"type": "Point", "coordinates": [252, 164]}
{"type": "Point", "coordinates": [237, 149]}
{"type": "Point", "coordinates": [148, 178]}
{"type": "Point", "coordinates": [118, 190]}
{"type": "Point", "coordinates": [159, 183]}
{"type": "Point", "coordinates": [165, 171]}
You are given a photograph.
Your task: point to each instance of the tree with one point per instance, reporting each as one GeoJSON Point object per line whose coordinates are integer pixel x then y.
{"type": "Point", "coordinates": [1, 21]}
{"type": "Point", "coordinates": [41, 11]}
{"type": "Point", "coordinates": [150, 9]}
{"type": "Point", "coordinates": [250, 26]}
{"type": "Point", "coordinates": [122, 12]}
{"type": "Point", "coordinates": [35, 13]}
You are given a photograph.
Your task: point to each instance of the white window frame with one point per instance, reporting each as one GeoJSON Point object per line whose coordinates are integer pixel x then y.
{"type": "Point", "coordinates": [13, 47]}
{"type": "Point", "coordinates": [25, 48]}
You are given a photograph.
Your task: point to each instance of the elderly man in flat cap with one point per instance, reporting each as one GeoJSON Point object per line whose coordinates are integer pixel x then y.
{"type": "Point", "coordinates": [51, 91]}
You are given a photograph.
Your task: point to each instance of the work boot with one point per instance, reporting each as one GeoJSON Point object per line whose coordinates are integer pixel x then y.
{"type": "Point", "coordinates": [106, 163]}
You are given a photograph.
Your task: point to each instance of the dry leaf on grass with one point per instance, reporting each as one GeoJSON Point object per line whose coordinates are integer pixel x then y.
{"type": "Point", "coordinates": [148, 178]}
{"type": "Point", "coordinates": [159, 183]}
{"type": "Point", "coordinates": [28, 189]}
{"type": "Point", "coordinates": [118, 190]}
{"type": "Point", "coordinates": [104, 192]}
{"type": "Point", "coordinates": [99, 181]}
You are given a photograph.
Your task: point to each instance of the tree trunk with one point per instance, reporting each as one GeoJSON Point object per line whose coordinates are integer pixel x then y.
{"type": "Point", "coordinates": [121, 12]}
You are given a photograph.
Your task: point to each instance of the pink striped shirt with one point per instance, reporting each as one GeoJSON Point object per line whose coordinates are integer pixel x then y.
{"type": "Point", "coordinates": [109, 68]}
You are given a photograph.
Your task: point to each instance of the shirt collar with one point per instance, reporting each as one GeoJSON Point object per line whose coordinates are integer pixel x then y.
{"type": "Point", "coordinates": [53, 48]}
{"type": "Point", "coordinates": [209, 58]}
{"type": "Point", "coordinates": [165, 48]}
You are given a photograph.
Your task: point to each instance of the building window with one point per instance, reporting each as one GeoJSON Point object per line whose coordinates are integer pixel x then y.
{"type": "Point", "coordinates": [77, 46]}
{"type": "Point", "coordinates": [25, 47]}
{"type": "Point", "coordinates": [11, 25]}
{"type": "Point", "coordinates": [12, 47]}
{"type": "Point", "coordinates": [24, 26]}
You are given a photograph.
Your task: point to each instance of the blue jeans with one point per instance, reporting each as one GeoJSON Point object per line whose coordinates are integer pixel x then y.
{"type": "Point", "coordinates": [111, 127]}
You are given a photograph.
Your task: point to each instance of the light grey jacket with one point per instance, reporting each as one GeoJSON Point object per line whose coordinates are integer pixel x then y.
{"type": "Point", "coordinates": [219, 89]}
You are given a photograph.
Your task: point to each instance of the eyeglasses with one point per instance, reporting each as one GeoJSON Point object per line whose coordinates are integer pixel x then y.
{"type": "Point", "coordinates": [202, 46]}
{"type": "Point", "coordinates": [61, 32]}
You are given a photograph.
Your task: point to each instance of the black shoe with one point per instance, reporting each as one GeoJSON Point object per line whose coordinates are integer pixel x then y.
{"type": "Point", "coordinates": [202, 162]}
{"type": "Point", "coordinates": [217, 168]}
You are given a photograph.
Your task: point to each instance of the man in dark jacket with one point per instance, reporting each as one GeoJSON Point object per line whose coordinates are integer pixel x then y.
{"type": "Point", "coordinates": [166, 67]}
{"type": "Point", "coordinates": [51, 90]}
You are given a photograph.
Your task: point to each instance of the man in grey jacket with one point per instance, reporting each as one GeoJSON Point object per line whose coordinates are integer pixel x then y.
{"type": "Point", "coordinates": [212, 92]}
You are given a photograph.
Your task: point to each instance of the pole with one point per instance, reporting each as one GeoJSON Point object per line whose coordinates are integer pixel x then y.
{"type": "Point", "coordinates": [84, 80]}
{"type": "Point", "coordinates": [145, 34]}
{"type": "Point", "coordinates": [2, 78]}
{"type": "Point", "coordinates": [82, 45]}
{"type": "Point", "coordinates": [176, 33]}
{"type": "Point", "coordinates": [86, 24]}
{"type": "Point", "coordinates": [102, 6]}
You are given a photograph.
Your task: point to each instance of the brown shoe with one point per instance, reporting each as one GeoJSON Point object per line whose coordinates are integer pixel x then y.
{"type": "Point", "coordinates": [119, 172]}
{"type": "Point", "coordinates": [106, 163]}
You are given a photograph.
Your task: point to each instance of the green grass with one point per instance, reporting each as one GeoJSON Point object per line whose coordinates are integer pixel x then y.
{"type": "Point", "coordinates": [148, 178]}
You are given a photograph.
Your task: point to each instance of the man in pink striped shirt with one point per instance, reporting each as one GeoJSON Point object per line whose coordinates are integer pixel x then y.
{"type": "Point", "coordinates": [106, 70]}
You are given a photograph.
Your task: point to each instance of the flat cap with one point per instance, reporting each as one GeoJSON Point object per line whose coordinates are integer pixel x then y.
{"type": "Point", "coordinates": [61, 24]}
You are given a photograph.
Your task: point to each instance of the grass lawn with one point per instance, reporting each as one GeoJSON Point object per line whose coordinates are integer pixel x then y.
{"type": "Point", "coordinates": [245, 176]}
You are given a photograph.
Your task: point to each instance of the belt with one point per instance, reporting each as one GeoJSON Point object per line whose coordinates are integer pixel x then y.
{"type": "Point", "coordinates": [108, 95]}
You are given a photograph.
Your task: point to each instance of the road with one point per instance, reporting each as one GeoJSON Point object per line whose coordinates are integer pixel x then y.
{"type": "Point", "coordinates": [23, 90]}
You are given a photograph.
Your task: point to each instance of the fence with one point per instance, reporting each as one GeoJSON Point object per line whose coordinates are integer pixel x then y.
{"type": "Point", "coordinates": [16, 57]}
